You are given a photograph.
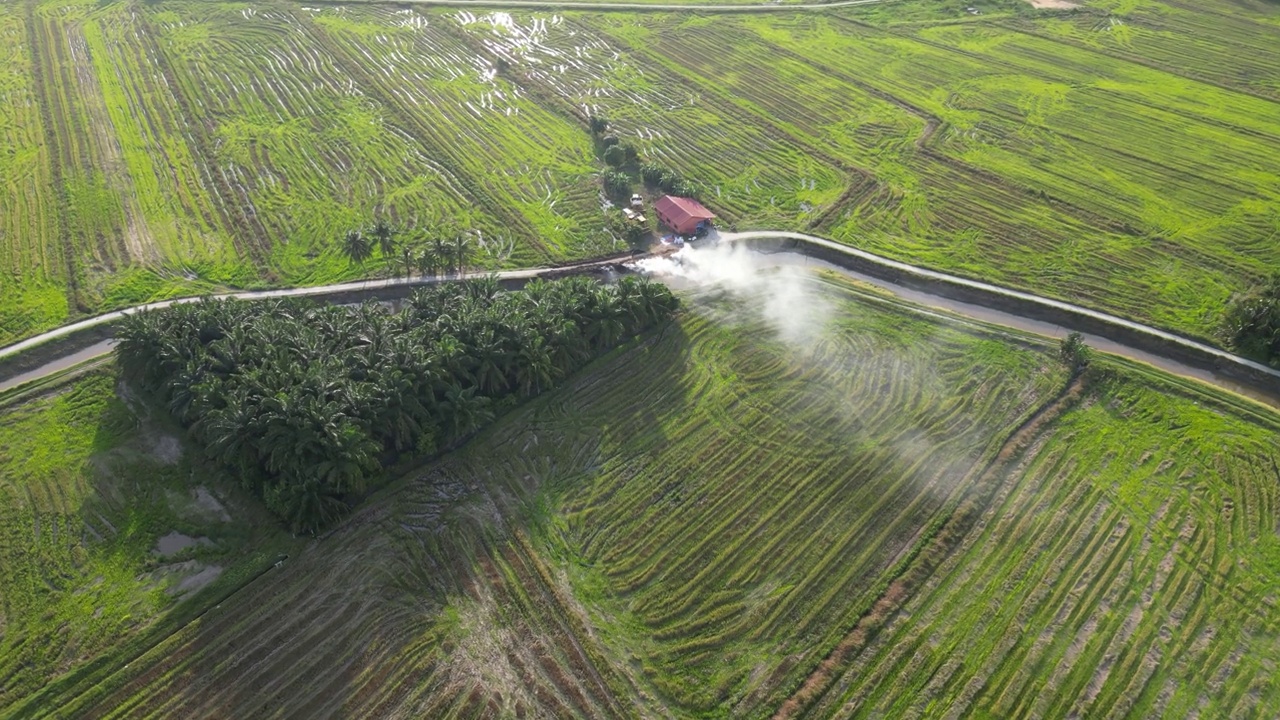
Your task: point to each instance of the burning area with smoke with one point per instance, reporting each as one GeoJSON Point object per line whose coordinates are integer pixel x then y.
{"type": "Point", "coordinates": [782, 294]}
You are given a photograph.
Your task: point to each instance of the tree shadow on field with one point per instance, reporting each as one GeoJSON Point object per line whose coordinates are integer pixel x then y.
{"type": "Point", "coordinates": [56, 499]}
{"type": "Point", "coordinates": [92, 480]}
{"type": "Point", "coordinates": [434, 595]}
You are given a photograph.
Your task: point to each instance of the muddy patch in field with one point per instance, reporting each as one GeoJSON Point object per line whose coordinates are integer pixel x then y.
{"type": "Point", "coordinates": [166, 448]}
{"type": "Point", "coordinates": [198, 505]}
{"type": "Point", "coordinates": [195, 582]}
{"type": "Point", "coordinates": [175, 542]}
{"type": "Point", "coordinates": [187, 577]}
{"type": "Point", "coordinates": [1053, 4]}
{"type": "Point", "coordinates": [210, 505]}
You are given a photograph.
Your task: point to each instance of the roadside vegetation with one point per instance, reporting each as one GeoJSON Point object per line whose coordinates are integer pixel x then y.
{"type": "Point", "coordinates": [1252, 324]}
{"type": "Point", "coordinates": [304, 404]}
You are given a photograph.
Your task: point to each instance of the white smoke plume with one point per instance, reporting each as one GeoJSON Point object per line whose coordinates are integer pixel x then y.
{"type": "Point", "coordinates": [781, 292]}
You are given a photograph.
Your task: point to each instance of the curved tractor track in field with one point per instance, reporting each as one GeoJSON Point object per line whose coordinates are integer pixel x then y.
{"type": "Point", "coordinates": [990, 303]}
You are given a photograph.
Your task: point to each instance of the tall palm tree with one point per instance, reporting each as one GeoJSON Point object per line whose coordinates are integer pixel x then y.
{"type": "Point", "coordinates": [406, 262]}
{"type": "Point", "coordinates": [568, 347]}
{"type": "Point", "coordinates": [484, 288]}
{"type": "Point", "coordinates": [490, 358]}
{"type": "Point", "coordinates": [141, 336]}
{"type": "Point", "coordinates": [385, 237]}
{"type": "Point", "coordinates": [464, 411]}
{"type": "Point", "coordinates": [534, 369]}
{"type": "Point", "coordinates": [606, 326]}
{"type": "Point", "coordinates": [425, 262]}
{"type": "Point", "coordinates": [299, 400]}
{"type": "Point", "coordinates": [305, 503]}
{"type": "Point", "coordinates": [356, 247]}
{"type": "Point", "coordinates": [440, 251]}
{"type": "Point", "coordinates": [461, 252]}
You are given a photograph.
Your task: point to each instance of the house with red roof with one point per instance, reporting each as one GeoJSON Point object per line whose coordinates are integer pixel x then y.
{"type": "Point", "coordinates": [684, 215]}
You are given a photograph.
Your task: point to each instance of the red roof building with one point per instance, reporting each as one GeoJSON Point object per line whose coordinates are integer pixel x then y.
{"type": "Point", "coordinates": [684, 215]}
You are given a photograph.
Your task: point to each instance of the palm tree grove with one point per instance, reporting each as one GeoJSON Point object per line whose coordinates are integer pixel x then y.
{"type": "Point", "coordinates": [304, 403]}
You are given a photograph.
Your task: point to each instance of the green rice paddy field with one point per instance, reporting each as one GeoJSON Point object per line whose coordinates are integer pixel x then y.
{"type": "Point", "coordinates": [1119, 154]}
{"type": "Point", "coordinates": [901, 515]}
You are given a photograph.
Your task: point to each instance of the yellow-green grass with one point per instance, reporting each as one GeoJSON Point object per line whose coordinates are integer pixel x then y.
{"type": "Point", "coordinates": [746, 170]}
{"type": "Point", "coordinates": [906, 516]}
{"type": "Point", "coordinates": [794, 479]}
{"type": "Point", "coordinates": [1087, 177]}
{"type": "Point", "coordinates": [88, 486]}
{"type": "Point", "coordinates": [305, 146]}
{"type": "Point", "coordinates": [176, 147]}
{"type": "Point", "coordinates": [1127, 567]}
{"type": "Point", "coordinates": [1225, 43]}
{"type": "Point", "coordinates": [33, 270]}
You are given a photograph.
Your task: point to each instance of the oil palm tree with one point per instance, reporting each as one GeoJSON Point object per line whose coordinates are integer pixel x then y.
{"type": "Point", "coordinates": [299, 401]}
{"type": "Point", "coordinates": [461, 251]}
{"type": "Point", "coordinates": [440, 251]}
{"type": "Point", "coordinates": [424, 261]}
{"type": "Point", "coordinates": [384, 236]}
{"type": "Point", "coordinates": [606, 326]}
{"type": "Point", "coordinates": [464, 411]}
{"type": "Point", "coordinates": [356, 247]}
{"type": "Point", "coordinates": [304, 503]}
{"type": "Point", "coordinates": [534, 368]}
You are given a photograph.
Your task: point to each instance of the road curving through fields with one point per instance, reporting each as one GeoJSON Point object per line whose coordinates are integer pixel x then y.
{"type": "Point", "coordinates": [982, 301]}
{"type": "Point", "coordinates": [1033, 313]}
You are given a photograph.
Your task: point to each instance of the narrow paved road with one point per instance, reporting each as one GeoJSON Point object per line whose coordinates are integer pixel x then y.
{"type": "Point", "coordinates": [98, 349]}
{"type": "Point", "coordinates": [942, 277]}
{"type": "Point", "coordinates": [340, 288]}
{"type": "Point", "coordinates": [864, 259]}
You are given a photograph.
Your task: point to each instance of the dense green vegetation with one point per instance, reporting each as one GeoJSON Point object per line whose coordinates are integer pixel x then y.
{"type": "Point", "coordinates": [1122, 155]}
{"type": "Point", "coordinates": [904, 516]}
{"type": "Point", "coordinates": [304, 403]}
{"type": "Point", "coordinates": [1252, 324]}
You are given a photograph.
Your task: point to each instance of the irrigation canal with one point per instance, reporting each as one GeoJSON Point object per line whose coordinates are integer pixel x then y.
{"type": "Point", "coordinates": [960, 296]}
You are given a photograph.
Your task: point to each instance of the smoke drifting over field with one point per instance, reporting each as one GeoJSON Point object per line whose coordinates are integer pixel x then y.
{"type": "Point", "coordinates": [784, 296]}
{"type": "Point", "coordinates": [780, 290]}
